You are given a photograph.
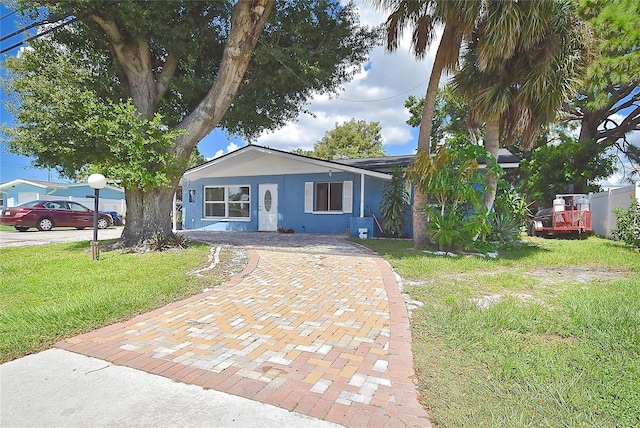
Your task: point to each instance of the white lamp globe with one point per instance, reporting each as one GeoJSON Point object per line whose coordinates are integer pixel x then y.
{"type": "Point", "coordinates": [97, 181]}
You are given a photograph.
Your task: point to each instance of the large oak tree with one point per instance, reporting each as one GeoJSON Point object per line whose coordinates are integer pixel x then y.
{"type": "Point", "coordinates": [162, 75]}
{"type": "Point", "coordinates": [607, 107]}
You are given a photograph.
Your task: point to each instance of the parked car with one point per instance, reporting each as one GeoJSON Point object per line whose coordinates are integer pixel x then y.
{"type": "Point", "coordinates": [45, 215]}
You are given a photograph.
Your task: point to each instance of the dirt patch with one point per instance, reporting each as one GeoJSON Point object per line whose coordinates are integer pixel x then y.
{"type": "Point", "coordinates": [547, 277]}
{"type": "Point", "coordinates": [224, 261]}
{"type": "Point", "coordinates": [581, 275]}
{"type": "Point", "coordinates": [552, 278]}
{"type": "Point", "coordinates": [551, 339]}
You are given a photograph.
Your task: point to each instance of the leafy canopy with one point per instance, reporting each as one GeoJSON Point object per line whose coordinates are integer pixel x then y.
{"type": "Point", "coordinates": [550, 168]}
{"type": "Point", "coordinates": [185, 40]}
{"type": "Point", "coordinates": [352, 139]}
{"type": "Point", "coordinates": [56, 104]}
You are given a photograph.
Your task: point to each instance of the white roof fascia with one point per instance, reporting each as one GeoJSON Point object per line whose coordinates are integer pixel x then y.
{"type": "Point", "coordinates": [20, 180]}
{"type": "Point", "coordinates": [505, 165]}
{"type": "Point", "coordinates": [300, 158]}
{"type": "Point", "coordinates": [108, 186]}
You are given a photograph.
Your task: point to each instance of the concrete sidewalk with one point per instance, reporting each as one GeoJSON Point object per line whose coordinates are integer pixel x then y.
{"type": "Point", "coordinates": [314, 327]}
{"type": "Point", "coordinates": [57, 388]}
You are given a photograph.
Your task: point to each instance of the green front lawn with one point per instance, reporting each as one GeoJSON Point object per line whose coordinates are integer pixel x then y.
{"type": "Point", "coordinates": [548, 335]}
{"type": "Point", "coordinates": [51, 292]}
{"type": "Point", "coordinates": [545, 336]}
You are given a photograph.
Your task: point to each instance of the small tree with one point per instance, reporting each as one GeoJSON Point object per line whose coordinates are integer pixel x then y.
{"type": "Point", "coordinates": [548, 169]}
{"type": "Point", "coordinates": [628, 228]}
{"type": "Point", "coordinates": [353, 139]}
{"type": "Point", "coordinates": [395, 203]}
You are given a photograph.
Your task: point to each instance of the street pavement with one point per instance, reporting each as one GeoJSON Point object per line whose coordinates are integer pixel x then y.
{"type": "Point", "coordinates": [13, 238]}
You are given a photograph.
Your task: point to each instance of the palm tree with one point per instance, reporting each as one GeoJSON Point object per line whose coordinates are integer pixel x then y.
{"type": "Point", "coordinates": [426, 18]}
{"type": "Point", "coordinates": [516, 91]}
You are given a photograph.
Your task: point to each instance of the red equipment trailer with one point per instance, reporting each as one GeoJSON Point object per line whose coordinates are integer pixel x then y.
{"type": "Point", "coordinates": [570, 215]}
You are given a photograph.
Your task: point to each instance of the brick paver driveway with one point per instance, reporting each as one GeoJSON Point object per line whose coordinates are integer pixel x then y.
{"type": "Point", "coordinates": [314, 324]}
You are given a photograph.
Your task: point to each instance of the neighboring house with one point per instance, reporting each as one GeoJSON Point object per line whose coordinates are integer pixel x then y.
{"type": "Point", "coordinates": [20, 191]}
{"type": "Point", "coordinates": [257, 188]}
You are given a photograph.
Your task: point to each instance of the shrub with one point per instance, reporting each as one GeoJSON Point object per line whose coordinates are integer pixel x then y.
{"type": "Point", "coordinates": [504, 229]}
{"type": "Point", "coordinates": [452, 180]}
{"type": "Point", "coordinates": [512, 204]}
{"type": "Point", "coordinates": [627, 229]}
{"type": "Point", "coordinates": [395, 203]}
{"type": "Point", "coordinates": [159, 242]}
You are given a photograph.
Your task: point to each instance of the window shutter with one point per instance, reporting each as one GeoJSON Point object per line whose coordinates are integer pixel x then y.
{"type": "Point", "coordinates": [347, 197]}
{"type": "Point", "coordinates": [308, 197]}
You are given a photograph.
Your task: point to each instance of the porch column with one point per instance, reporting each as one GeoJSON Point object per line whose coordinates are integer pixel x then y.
{"type": "Point", "coordinates": [361, 195]}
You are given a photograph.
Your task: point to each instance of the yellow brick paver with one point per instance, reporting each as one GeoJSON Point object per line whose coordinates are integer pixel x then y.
{"type": "Point", "coordinates": [314, 318]}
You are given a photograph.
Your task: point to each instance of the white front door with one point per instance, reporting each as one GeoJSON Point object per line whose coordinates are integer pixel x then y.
{"type": "Point", "coordinates": [268, 207]}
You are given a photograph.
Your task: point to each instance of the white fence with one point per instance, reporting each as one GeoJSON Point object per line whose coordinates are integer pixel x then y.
{"type": "Point", "coordinates": [603, 220]}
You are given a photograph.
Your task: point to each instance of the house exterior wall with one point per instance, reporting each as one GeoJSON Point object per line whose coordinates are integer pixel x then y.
{"type": "Point", "coordinates": [22, 192]}
{"type": "Point", "coordinates": [84, 190]}
{"type": "Point", "coordinates": [291, 202]}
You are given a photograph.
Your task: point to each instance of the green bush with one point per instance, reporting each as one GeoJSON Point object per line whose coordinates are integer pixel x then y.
{"type": "Point", "coordinates": [452, 180]}
{"type": "Point", "coordinates": [395, 203]}
{"type": "Point", "coordinates": [159, 242]}
{"type": "Point", "coordinates": [628, 227]}
{"type": "Point", "coordinates": [504, 228]}
{"type": "Point", "coordinates": [512, 204]}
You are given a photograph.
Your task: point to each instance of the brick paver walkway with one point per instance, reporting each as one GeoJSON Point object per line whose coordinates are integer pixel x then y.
{"type": "Point", "coordinates": [314, 324]}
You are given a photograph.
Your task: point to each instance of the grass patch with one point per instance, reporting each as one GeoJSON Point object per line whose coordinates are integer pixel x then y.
{"type": "Point", "coordinates": [56, 291]}
{"type": "Point", "coordinates": [548, 335]}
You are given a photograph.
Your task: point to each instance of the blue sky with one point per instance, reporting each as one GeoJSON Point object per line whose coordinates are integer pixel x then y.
{"type": "Point", "coordinates": [377, 93]}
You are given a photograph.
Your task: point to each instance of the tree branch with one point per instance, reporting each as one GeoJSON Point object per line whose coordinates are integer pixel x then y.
{"type": "Point", "coordinates": [110, 28]}
{"type": "Point", "coordinates": [247, 21]}
{"type": "Point", "coordinates": [166, 75]}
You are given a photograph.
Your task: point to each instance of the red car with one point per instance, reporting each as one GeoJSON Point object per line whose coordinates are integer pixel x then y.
{"type": "Point", "coordinates": [45, 215]}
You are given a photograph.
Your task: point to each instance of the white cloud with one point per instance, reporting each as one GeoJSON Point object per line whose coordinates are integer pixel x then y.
{"type": "Point", "coordinates": [377, 93]}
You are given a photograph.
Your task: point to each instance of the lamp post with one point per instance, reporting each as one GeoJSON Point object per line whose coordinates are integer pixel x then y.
{"type": "Point", "coordinates": [97, 182]}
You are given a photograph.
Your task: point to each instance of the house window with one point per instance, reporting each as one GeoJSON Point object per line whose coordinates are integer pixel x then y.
{"type": "Point", "coordinates": [332, 197]}
{"type": "Point", "coordinates": [328, 197]}
{"type": "Point", "coordinates": [227, 202]}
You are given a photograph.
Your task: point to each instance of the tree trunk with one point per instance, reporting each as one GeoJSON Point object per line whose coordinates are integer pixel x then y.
{"type": "Point", "coordinates": [420, 220]}
{"type": "Point", "coordinates": [149, 210]}
{"type": "Point", "coordinates": [589, 126]}
{"type": "Point", "coordinates": [148, 213]}
{"type": "Point", "coordinates": [492, 145]}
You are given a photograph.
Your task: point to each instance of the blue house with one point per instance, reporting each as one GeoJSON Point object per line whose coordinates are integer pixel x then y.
{"type": "Point", "coordinates": [19, 191]}
{"type": "Point", "coordinates": [257, 188]}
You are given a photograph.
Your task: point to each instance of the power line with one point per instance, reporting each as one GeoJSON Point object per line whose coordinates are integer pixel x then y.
{"type": "Point", "coordinates": [384, 99]}
{"type": "Point", "coordinates": [50, 30]}
{"type": "Point", "coordinates": [345, 99]}
{"type": "Point", "coordinates": [8, 15]}
{"type": "Point", "coordinates": [50, 19]}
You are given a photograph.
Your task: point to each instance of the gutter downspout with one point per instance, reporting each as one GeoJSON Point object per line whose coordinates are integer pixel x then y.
{"type": "Point", "coordinates": [174, 213]}
{"type": "Point", "coordinates": [361, 195]}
